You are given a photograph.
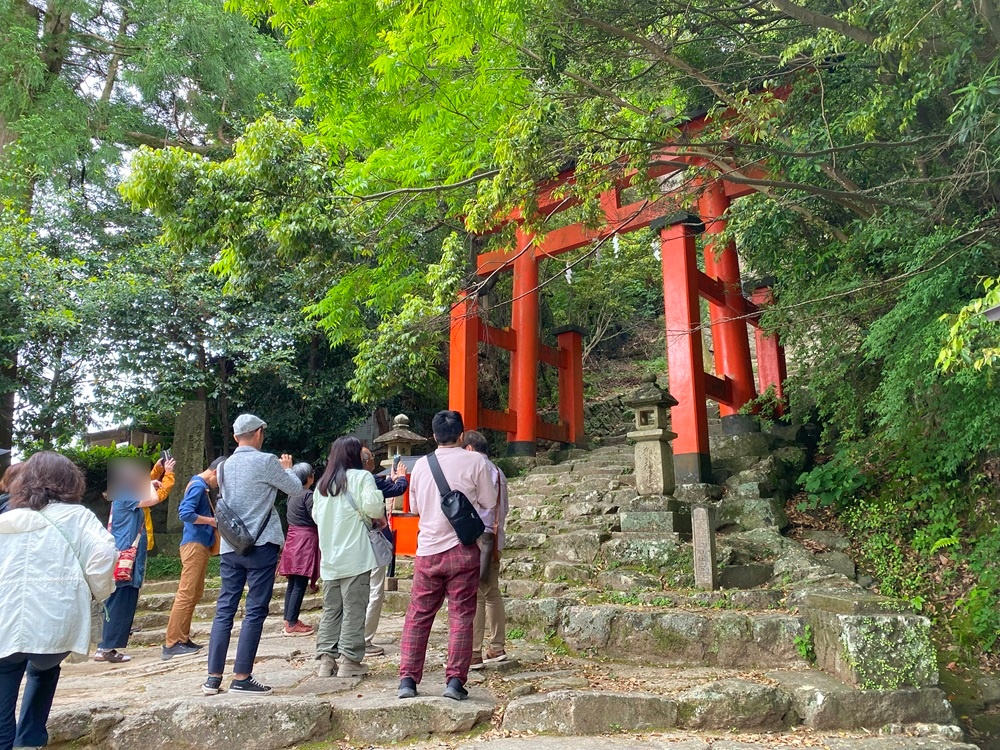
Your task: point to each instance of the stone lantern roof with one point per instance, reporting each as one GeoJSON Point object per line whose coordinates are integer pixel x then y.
{"type": "Point", "coordinates": [400, 434]}
{"type": "Point", "coordinates": [650, 394]}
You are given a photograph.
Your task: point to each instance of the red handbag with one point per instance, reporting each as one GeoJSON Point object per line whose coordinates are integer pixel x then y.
{"type": "Point", "coordinates": [126, 561]}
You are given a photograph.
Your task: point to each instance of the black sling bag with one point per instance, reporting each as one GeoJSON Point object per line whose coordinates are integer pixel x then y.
{"type": "Point", "coordinates": [456, 507]}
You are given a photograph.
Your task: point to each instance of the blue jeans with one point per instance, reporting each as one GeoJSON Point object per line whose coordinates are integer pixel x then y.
{"type": "Point", "coordinates": [294, 595]}
{"type": "Point", "coordinates": [43, 674]}
{"type": "Point", "coordinates": [255, 570]}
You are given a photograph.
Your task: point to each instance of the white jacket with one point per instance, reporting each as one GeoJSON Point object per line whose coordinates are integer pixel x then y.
{"type": "Point", "coordinates": [51, 562]}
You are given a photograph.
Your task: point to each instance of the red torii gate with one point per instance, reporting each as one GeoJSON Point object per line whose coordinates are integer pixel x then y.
{"type": "Point", "coordinates": [733, 384]}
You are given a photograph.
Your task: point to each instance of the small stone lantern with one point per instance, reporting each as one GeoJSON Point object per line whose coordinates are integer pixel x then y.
{"type": "Point", "coordinates": [400, 439]}
{"type": "Point", "coordinates": [654, 458]}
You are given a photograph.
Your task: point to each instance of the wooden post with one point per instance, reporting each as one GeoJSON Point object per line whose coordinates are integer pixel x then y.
{"type": "Point", "coordinates": [729, 330]}
{"type": "Point", "coordinates": [689, 419]}
{"type": "Point", "coordinates": [570, 340]}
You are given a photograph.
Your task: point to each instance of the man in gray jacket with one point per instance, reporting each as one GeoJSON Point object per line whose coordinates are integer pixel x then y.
{"type": "Point", "coordinates": [249, 482]}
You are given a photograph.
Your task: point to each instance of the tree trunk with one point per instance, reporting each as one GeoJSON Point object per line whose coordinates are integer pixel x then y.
{"type": "Point", "coordinates": [224, 405]}
{"type": "Point", "coordinates": [8, 373]}
{"type": "Point", "coordinates": [202, 396]}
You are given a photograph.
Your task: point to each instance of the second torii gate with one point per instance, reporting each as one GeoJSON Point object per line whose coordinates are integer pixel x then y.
{"type": "Point", "coordinates": [732, 385]}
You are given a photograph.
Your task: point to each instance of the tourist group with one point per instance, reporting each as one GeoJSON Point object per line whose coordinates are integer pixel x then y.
{"type": "Point", "coordinates": [57, 559]}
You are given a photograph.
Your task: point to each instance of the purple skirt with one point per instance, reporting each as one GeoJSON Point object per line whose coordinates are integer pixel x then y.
{"type": "Point", "coordinates": [300, 556]}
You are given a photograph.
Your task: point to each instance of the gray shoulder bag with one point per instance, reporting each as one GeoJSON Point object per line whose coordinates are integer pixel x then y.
{"type": "Point", "coordinates": [381, 546]}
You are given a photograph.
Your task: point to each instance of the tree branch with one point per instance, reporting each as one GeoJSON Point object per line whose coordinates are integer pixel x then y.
{"type": "Point", "coordinates": [812, 18]}
{"type": "Point", "coordinates": [657, 50]}
{"type": "Point", "coordinates": [136, 138]}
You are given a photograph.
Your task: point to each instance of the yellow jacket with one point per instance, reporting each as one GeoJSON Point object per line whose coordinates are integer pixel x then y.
{"type": "Point", "coordinates": [166, 484]}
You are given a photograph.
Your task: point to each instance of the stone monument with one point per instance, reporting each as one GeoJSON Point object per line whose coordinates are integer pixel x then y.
{"type": "Point", "coordinates": [654, 458]}
{"type": "Point", "coordinates": [706, 571]}
{"type": "Point", "coordinates": [190, 451]}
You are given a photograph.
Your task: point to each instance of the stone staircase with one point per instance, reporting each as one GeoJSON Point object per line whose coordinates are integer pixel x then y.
{"type": "Point", "coordinates": [606, 634]}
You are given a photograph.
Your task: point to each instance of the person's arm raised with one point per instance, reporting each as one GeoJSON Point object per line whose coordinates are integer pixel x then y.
{"type": "Point", "coordinates": [281, 476]}
{"type": "Point", "coordinates": [372, 501]}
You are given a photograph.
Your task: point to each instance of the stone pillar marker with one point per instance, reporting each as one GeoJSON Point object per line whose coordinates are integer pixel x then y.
{"type": "Point", "coordinates": [706, 571]}
{"type": "Point", "coordinates": [654, 458]}
{"type": "Point", "coordinates": [190, 450]}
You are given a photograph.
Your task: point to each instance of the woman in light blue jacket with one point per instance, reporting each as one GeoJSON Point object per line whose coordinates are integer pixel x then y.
{"type": "Point", "coordinates": [346, 504]}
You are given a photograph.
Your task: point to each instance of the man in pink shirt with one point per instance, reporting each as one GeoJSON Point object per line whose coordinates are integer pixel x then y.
{"type": "Point", "coordinates": [444, 566]}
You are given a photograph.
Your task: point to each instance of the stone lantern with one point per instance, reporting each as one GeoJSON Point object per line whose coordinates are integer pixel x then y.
{"type": "Point", "coordinates": [654, 458]}
{"type": "Point", "coordinates": [400, 440]}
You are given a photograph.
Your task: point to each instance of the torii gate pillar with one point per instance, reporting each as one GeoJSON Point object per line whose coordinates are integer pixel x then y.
{"type": "Point", "coordinates": [729, 332]}
{"type": "Point", "coordinates": [685, 369]}
{"type": "Point", "coordinates": [524, 359]}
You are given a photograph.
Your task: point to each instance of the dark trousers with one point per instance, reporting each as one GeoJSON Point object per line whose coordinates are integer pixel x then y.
{"type": "Point", "coordinates": [43, 674]}
{"type": "Point", "coordinates": [294, 595]}
{"type": "Point", "coordinates": [255, 570]}
{"type": "Point", "coordinates": [118, 620]}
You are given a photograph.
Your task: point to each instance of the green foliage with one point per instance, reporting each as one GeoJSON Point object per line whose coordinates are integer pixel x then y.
{"type": "Point", "coordinates": [805, 646]}
{"type": "Point", "coordinates": [972, 341]}
{"type": "Point", "coordinates": [515, 634]}
{"type": "Point", "coordinates": [93, 462]}
{"type": "Point", "coordinates": [833, 483]}
{"type": "Point", "coordinates": [164, 568]}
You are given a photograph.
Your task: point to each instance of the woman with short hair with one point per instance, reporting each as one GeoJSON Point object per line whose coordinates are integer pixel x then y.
{"type": "Point", "coordinates": [300, 555]}
{"type": "Point", "coordinates": [346, 504]}
{"type": "Point", "coordinates": [54, 556]}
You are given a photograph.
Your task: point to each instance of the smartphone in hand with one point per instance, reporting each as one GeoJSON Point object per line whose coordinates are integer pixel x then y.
{"type": "Point", "coordinates": [395, 462]}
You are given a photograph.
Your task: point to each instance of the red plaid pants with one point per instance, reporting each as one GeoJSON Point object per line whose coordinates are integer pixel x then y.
{"type": "Point", "coordinates": [454, 573]}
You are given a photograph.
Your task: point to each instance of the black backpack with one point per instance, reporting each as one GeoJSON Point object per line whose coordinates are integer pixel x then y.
{"type": "Point", "coordinates": [456, 507]}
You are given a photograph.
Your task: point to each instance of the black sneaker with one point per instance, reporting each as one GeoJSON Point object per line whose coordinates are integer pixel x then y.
{"type": "Point", "coordinates": [192, 644]}
{"type": "Point", "coordinates": [455, 690]}
{"type": "Point", "coordinates": [212, 686]}
{"type": "Point", "coordinates": [249, 686]}
{"type": "Point", "coordinates": [178, 649]}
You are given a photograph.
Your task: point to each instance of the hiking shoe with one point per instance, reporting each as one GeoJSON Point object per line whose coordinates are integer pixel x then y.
{"type": "Point", "coordinates": [350, 668]}
{"type": "Point", "coordinates": [327, 665]}
{"type": "Point", "coordinates": [455, 690]}
{"type": "Point", "coordinates": [248, 686]}
{"type": "Point", "coordinates": [477, 661]}
{"type": "Point", "coordinates": [178, 649]}
{"type": "Point", "coordinates": [372, 650]}
{"type": "Point", "coordinates": [407, 688]}
{"type": "Point", "coordinates": [191, 644]}
{"type": "Point", "coordinates": [297, 628]}
{"type": "Point", "coordinates": [111, 656]}
{"type": "Point", "coordinates": [212, 686]}
{"type": "Point", "coordinates": [493, 657]}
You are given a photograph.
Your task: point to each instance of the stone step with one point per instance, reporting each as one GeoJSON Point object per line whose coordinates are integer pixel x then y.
{"type": "Point", "coordinates": [691, 740]}
{"type": "Point", "coordinates": [731, 705]}
{"type": "Point", "coordinates": [733, 639]}
{"type": "Point", "coordinates": [655, 521]}
{"type": "Point", "coordinates": [371, 714]}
